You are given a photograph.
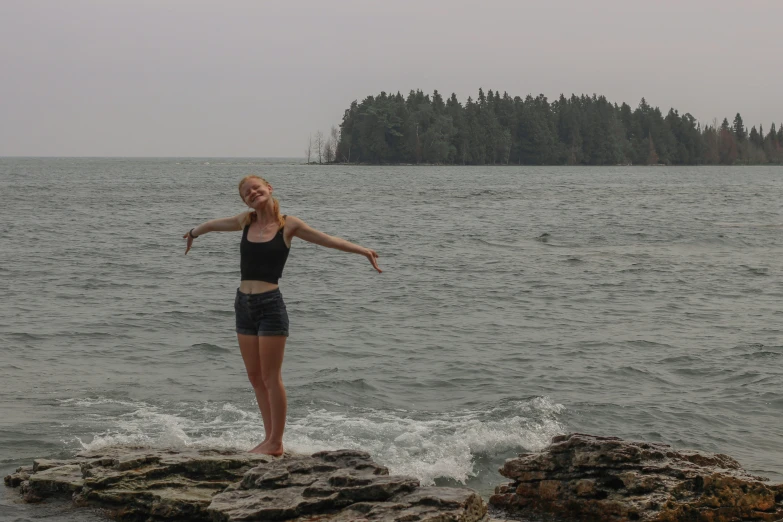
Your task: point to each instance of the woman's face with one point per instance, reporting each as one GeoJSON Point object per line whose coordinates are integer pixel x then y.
{"type": "Point", "coordinates": [256, 193]}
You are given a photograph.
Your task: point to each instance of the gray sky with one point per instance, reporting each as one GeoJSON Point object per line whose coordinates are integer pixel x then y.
{"type": "Point", "coordinates": [253, 78]}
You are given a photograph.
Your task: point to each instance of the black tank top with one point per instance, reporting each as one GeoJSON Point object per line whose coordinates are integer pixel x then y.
{"type": "Point", "coordinates": [263, 261]}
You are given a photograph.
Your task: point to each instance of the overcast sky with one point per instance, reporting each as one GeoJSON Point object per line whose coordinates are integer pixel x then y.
{"type": "Point", "coordinates": [254, 78]}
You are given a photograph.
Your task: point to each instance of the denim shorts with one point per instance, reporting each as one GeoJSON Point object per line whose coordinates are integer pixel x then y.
{"type": "Point", "coordinates": [261, 314]}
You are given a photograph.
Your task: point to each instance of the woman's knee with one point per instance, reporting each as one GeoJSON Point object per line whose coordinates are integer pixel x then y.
{"type": "Point", "coordinates": [256, 380]}
{"type": "Point", "coordinates": [271, 379]}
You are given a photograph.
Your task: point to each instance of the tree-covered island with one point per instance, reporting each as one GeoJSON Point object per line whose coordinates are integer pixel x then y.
{"type": "Point", "coordinates": [497, 129]}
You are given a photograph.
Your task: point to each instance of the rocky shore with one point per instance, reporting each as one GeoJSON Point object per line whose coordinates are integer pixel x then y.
{"type": "Point", "coordinates": [578, 477]}
{"type": "Point", "coordinates": [143, 484]}
{"type": "Point", "coordinates": [584, 477]}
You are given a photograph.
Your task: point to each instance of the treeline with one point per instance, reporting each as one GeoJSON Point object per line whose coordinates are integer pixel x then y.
{"type": "Point", "coordinates": [497, 129]}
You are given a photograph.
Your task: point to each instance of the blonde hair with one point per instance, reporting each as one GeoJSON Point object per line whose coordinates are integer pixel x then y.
{"type": "Point", "coordinates": [251, 216]}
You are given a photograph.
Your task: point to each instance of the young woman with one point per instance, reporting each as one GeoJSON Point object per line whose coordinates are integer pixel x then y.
{"type": "Point", "coordinates": [261, 317]}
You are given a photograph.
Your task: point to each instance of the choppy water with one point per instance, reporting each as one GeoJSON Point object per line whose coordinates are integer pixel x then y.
{"type": "Point", "coordinates": [516, 303]}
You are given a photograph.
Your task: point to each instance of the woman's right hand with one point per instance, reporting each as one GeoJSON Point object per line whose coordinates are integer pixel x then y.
{"type": "Point", "coordinates": [372, 255]}
{"type": "Point", "coordinates": [190, 241]}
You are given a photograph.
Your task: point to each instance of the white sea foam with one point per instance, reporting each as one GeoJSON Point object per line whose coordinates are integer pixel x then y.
{"type": "Point", "coordinates": [427, 445]}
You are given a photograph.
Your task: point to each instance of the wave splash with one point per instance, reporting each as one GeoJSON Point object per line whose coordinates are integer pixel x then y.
{"type": "Point", "coordinates": [427, 445]}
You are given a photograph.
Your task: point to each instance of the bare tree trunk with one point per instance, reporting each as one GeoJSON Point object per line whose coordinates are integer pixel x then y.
{"type": "Point", "coordinates": [329, 150]}
{"type": "Point", "coordinates": [309, 151]}
{"type": "Point", "coordinates": [418, 147]}
{"type": "Point", "coordinates": [335, 137]}
{"type": "Point", "coordinates": [319, 143]}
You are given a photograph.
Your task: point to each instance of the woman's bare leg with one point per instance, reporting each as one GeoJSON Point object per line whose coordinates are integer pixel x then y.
{"type": "Point", "coordinates": [248, 345]}
{"type": "Point", "coordinates": [271, 350]}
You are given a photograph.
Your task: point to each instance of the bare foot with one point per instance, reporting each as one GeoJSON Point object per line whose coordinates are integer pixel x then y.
{"type": "Point", "coordinates": [268, 448]}
{"type": "Point", "coordinates": [255, 450]}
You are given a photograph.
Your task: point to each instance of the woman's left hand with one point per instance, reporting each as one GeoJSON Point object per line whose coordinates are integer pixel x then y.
{"type": "Point", "coordinates": [372, 255]}
{"type": "Point", "coordinates": [190, 242]}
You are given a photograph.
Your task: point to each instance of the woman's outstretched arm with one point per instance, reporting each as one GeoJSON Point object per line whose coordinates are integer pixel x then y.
{"type": "Point", "coordinates": [229, 224]}
{"type": "Point", "coordinates": [304, 231]}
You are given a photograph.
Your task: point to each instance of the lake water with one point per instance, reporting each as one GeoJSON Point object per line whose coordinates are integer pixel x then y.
{"type": "Point", "coordinates": [516, 303]}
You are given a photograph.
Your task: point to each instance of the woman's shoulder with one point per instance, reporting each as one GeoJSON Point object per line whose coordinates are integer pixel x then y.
{"type": "Point", "coordinates": [291, 221]}
{"type": "Point", "coordinates": [246, 218]}
{"type": "Point", "coordinates": [291, 224]}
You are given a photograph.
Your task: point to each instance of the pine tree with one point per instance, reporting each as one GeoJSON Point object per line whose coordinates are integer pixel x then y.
{"type": "Point", "coordinates": [772, 137]}
{"type": "Point", "coordinates": [754, 136]}
{"type": "Point", "coordinates": [739, 128]}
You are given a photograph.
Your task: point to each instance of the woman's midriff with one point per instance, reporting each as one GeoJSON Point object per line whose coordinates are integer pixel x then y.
{"type": "Point", "coordinates": [256, 287]}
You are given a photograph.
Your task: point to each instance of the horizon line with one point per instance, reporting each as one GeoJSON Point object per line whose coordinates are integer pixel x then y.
{"type": "Point", "coordinates": [153, 157]}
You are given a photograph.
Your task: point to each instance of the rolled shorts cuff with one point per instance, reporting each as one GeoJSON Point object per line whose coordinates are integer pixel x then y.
{"type": "Point", "coordinates": [283, 333]}
{"type": "Point", "coordinates": [246, 331]}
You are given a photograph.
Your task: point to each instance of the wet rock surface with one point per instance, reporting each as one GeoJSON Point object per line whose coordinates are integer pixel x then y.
{"type": "Point", "coordinates": [219, 486]}
{"type": "Point", "coordinates": [584, 477]}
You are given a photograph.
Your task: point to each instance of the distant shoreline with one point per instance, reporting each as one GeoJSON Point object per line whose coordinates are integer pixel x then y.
{"type": "Point", "coordinates": [316, 164]}
{"type": "Point", "coordinates": [300, 161]}
{"type": "Point", "coordinates": [497, 129]}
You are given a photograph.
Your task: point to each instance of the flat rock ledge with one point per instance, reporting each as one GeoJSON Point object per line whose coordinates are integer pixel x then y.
{"type": "Point", "coordinates": [584, 477]}
{"type": "Point", "coordinates": [142, 484]}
